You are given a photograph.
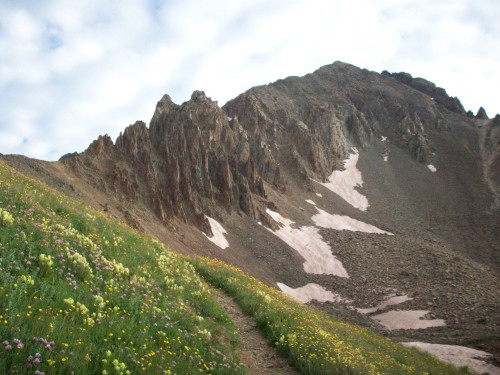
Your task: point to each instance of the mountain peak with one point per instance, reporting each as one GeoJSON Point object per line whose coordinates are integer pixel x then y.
{"type": "Point", "coordinates": [438, 94]}
{"type": "Point", "coordinates": [101, 145]}
{"type": "Point", "coordinates": [481, 114]}
{"type": "Point", "coordinates": [342, 172]}
{"type": "Point", "coordinates": [199, 95]}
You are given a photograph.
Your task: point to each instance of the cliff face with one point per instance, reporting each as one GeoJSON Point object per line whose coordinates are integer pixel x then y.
{"type": "Point", "coordinates": [191, 159]}
{"type": "Point", "coordinates": [197, 158]}
{"type": "Point", "coordinates": [313, 121]}
{"type": "Point", "coordinates": [491, 155]}
{"type": "Point", "coordinates": [428, 172]}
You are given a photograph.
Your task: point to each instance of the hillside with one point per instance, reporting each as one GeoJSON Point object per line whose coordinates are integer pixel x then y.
{"type": "Point", "coordinates": [80, 291]}
{"type": "Point", "coordinates": [372, 196]}
{"type": "Point", "coordinates": [83, 292]}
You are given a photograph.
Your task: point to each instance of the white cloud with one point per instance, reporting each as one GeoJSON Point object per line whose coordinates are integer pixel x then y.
{"type": "Point", "coordinates": [95, 67]}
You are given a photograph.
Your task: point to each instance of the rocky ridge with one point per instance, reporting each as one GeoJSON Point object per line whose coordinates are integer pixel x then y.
{"type": "Point", "coordinates": [429, 170]}
{"type": "Point", "coordinates": [191, 159]}
{"type": "Point", "coordinates": [196, 157]}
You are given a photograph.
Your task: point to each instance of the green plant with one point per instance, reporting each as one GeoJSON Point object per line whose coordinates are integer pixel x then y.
{"type": "Point", "coordinates": [82, 292]}
{"type": "Point", "coordinates": [314, 342]}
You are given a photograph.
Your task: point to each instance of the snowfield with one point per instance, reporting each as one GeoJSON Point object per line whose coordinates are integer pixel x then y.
{"type": "Point", "coordinates": [311, 292]}
{"type": "Point", "coordinates": [219, 233]}
{"type": "Point", "coordinates": [343, 183]}
{"type": "Point", "coordinates": [394, 300]}
{"type": "Point", "coordinates": [432, 168]}
{"type": "Point", "coordinates": [341, 222]}
{"type": "Point", "coordinates": [459, 356]}
{"type": "Point", "coordinates": [309, 243]}
{"type": "Point", "coordinates": [407, 319]}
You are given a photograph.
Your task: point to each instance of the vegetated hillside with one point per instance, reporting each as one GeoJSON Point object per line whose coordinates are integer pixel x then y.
{"type": "Point", "coordinates": [83, 293]}
{"type": "Point", "coordinates": [344, 186]}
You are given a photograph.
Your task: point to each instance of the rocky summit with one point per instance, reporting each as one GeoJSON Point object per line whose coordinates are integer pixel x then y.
{"type": "Point", "coordinates": [374, 196]}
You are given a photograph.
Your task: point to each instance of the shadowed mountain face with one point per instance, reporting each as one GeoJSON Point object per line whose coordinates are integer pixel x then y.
{"type": "Point", "coordinates": [308, 125]}
{"type": "Point", "coordinates": [360, 184]}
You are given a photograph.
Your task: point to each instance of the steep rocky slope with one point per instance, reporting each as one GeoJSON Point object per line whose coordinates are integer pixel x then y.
{"type": "Point", "coordinates": [420, 175]}
{"type": "Point", "coordinates": [191, 157]}
{"type": "Point", "coordinates": [309, 124]}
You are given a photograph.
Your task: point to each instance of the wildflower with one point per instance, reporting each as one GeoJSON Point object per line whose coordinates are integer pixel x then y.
{"type": "Point", "coordinates": [80, 264]}
{"type": "Point", "coordinates": [46, 260]}
{"type": "Point", "coordinates": [99, 302]}
{"type": "Point", "coordinates": [6, 218]}
{"type": "Point", "coordinates": [82, 308]}
{"type": "Point", "coordinates": [18, 343]}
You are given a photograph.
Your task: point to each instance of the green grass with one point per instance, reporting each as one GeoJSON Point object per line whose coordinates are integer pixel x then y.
{"type": "Point", "coordinates": [82, 293]}
{"type": "Point", "coordinates": [314, 342]}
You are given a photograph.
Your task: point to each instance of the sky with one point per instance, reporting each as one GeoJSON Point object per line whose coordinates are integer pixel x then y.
{"type": "Point", "coordinates": [73, 70]}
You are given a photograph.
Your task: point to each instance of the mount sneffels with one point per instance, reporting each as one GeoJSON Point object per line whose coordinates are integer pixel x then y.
{"type": "Point", "coordinates": [270, 149]}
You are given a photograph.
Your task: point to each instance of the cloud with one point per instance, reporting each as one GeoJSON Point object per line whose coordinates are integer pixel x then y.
{"type": "Point", "coordinates": [70, 71]}
{"type": "Point", "coordinates": [450, 43]}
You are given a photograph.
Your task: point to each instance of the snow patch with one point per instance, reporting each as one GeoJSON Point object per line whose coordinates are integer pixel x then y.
{"type": "Point", "coordinates": [459, 356]}
{"type": "Point", "coordinates": [383, 138]}
{"type": "Point", "coordinates": [311, 291]}
{"type": "Point", "coordinates": [301, 125]}
{"type": "Point", "coordinates": [394, 300]}
{"type": "Point", "coordinates": [432, 168]}
{"type": "Point", "coordinates": [386, 158]}
{"type": "Point", "coordinates": [342, 222]}
{"type": "Point", "coordinates": [343, 183]}
{"type": "Point", "coordinates": [410, 319]}
{"type": "Point", "coordinates": [309, 243]}
{"type": "Point", "coordinates": [319, 195]}
{"type": "Point", "coordinates": [219, 232]}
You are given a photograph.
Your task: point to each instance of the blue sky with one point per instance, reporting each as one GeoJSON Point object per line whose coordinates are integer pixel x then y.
{"type": "Point", "coordinates": [71, 70]}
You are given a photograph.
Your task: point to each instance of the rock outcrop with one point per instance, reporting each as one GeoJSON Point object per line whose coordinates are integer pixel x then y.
{"type": "Point", "coordinates": [491, 156]}
{"type": "Point", "coordinates": [307, 125]}
{"type": "Point", "coordinates": [197, 158]}
{"type": "Point", "coordinates": [481, 114]}
{"type": "Point", "coordinates": [191, 159]}
{"type": "Point", "coordinates": [436, 93]}
{"type": "Point", "coordinates": [430, 172]}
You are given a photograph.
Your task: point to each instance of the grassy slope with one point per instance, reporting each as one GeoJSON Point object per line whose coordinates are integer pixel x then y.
{"type": "Point", "coordinates": [79, 291]}
{"type": "Point", "coordinates": [314, 342]}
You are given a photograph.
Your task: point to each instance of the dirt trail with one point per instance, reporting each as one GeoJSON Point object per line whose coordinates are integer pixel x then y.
{"type": "Point", "coordinates": [255, 352]}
